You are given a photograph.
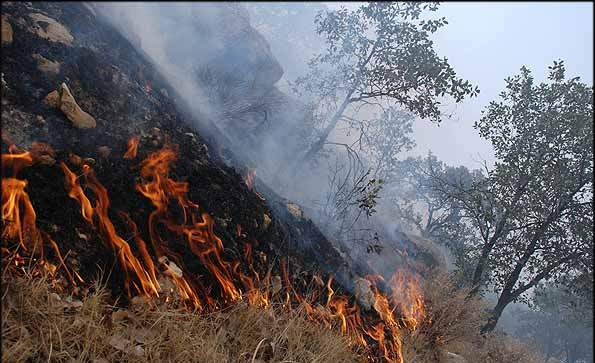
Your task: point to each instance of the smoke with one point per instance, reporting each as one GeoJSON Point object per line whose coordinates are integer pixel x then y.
{"type": "Point", "coordinates": [225, 70]}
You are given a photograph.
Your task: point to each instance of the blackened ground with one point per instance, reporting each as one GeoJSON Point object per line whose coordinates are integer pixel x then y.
{"type": "Point", "coordinates": [109, 80]}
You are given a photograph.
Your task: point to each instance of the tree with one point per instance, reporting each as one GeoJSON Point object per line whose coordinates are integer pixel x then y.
{"type": "Point", "coordinates": [540, 226]}
{"type": "Point", "coordinates": [420, 199]}
{"type": "Point", "coordinates": [533, 211]}
{"type": "Point", "coordinates": [380, 52]}
{"type": "Point", "coordinates": [531, 216]}
{"type": "Point", "coordinates": [383, 138]}
{"type": "Point", "coordinates": [560, 324]}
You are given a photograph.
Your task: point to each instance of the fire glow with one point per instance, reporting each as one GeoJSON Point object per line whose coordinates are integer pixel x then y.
{"type": "Point", "coordinates": [176, 217]}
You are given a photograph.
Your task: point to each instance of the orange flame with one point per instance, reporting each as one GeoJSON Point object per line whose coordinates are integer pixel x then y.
{"type": "Point", "coordinates": [18, 214]}
{"type": "Point", "coordinates": [379, 330]}
{"type": "Point", "coordinates": [128, 262]}
{"type": "Point", "coordinates": [198, 230]}
{"type": "Point", "coordinates": [132, 147]}
{"type": "Point", "coordinates": [407, 296]}
{"type": "Point", "coordinates": [75, 192]}
{"type": "Point", "coordinates": [249, 180]}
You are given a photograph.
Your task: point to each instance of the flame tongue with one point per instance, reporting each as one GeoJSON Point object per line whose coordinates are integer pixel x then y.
{"type": "Point", "coordinates": [176, 217]}
{"type": "Point", "coordinates": [128, 262]}
{"type": "Point", "coordinates": [132, 147]}
{"type": "Point", "coordinates": [18, 214]}
{"type": "Point", "coordinates": [406, 295]}
{"type": "Point", "coordinates": [198, 231]}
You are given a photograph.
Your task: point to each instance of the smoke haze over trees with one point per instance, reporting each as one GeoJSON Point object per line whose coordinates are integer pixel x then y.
{"type": "Point", "coordinates": [330, 120]}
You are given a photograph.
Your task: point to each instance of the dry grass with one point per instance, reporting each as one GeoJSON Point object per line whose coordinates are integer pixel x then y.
{"type": "Point", "coordinates": [37, 325]}
{"type": "Point", "coordinates": [453, 324]}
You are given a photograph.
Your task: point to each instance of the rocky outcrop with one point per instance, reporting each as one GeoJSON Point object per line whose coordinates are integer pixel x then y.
{"type": "Point", "coordinates": [46, 65]}
{"type": "Point", "coordinates": [50, 29]}
{"type": "Point", "coordinates": [121, 93]}
{"type": "Point", "coordinates": [364, 294]}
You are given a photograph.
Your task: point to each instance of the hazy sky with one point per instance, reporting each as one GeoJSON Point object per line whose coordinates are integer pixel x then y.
{"type": "Point", "coordinates": [486, 42]}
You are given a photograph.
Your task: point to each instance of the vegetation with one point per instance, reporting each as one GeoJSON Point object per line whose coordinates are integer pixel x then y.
{"type": "Point", "coordinates": [380, 52]}
{"type": "Point", "coordinates": [560, 324]}
{"type": "Point", "coordinates": [529, 218]}
{"type": "Point", "coordinates": [39, 324]}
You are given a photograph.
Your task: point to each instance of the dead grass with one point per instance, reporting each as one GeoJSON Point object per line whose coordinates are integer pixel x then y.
{"type": "Point", "coordinates": [453, 324]}
{"type": "Point", "coordinates": [38, 325]}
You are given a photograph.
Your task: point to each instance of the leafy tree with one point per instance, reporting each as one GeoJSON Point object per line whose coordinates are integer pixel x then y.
{"type": "Point", "coordinates": [422, 200]}
{"type": "Point", "coordinates": [560, 324]}
{"type": "Point", "coordinates": [380, 52]}
{"type": "Point", "coordinates": [531, 216]}
{"type": "Point", "coordinates": [383, 138]}
{"type": "Point", "coordinates": [539, 225]}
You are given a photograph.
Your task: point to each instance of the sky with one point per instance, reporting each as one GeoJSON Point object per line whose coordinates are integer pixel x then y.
{"type": "Point", "coordinates": [486, 42]}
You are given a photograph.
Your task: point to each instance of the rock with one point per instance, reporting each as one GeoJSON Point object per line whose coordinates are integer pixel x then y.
{"type": "Point", "coordinates": [45, 65]}
{"type": "Point", "coordinates": [63, 99]}
{"type": "Point", "coordinates": [52, 99]}
{"type": "Point", "coordinates": [267, 221]}
{"type": "Point", "coordinates": [453, 358]}
{"type": "Point", "coordinates": [6, 31]}
{"type": "Point", "coordinates": [39, 120]}
{"type": "Point", "coordinates": [364, 293]}
{"type": "Point", "coordinates": [104, 151]}
{"type": "Point", "coordinates": [71, 109]}
{"type": "Point", "coordinates": [48, 28]}
{"type": "Point", "coordinates": [172, 269]}
{"type": "Point", "coordinates": [75, 159]}
{"type": "Point", "coordinates": [3, 82]}
{"type": "Point", "coordinates": [295, 210]}
{"type": "Point", "coordinates": [46, 160]}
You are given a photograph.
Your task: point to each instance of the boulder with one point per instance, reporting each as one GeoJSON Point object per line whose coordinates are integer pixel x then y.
{"type": "Point", "coordinates": [6, 31]}
{"type": "Point", "coordinates": [364, 294]}
{"type": "Point", "coordinates": [63, 100]}
{"type": "Point", "coordinates": [45, 65]}
{"type": "Point", "coordinates": [48, 28]}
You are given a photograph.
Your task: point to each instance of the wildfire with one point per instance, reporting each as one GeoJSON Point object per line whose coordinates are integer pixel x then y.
{"type": "Point", "coordinates": [177, 221]}
{"type": "Point", "coordinates": [249, 180]}
{"type": "Point", "coordinates": [18, 215]}
{"type": "Point", "coordinates": [406, 295]}
{"type": "Point", "coordinates": [132, 147]}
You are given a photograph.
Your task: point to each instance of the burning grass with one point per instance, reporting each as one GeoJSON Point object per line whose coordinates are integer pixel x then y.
{"type": "Point", "coordinates": [177, 221]}
{"type": "Point", "coordinates": [228, 312]}
{"type": "Point", "coordinates": [40, 325]}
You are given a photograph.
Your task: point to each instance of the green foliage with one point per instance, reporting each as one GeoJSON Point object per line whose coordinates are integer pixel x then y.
{"type": "Point", "coordinates": [379, 52]}
{"type": "Point", "coordinates": [542, 183]}
{"type": "Point", "coordinates": [530, 218]}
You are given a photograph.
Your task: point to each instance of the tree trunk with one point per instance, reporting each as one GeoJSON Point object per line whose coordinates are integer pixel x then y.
{"type": "Point", "coordinates": [496, 313]}
{"type": "Point", "coordinates": [317, 146]}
